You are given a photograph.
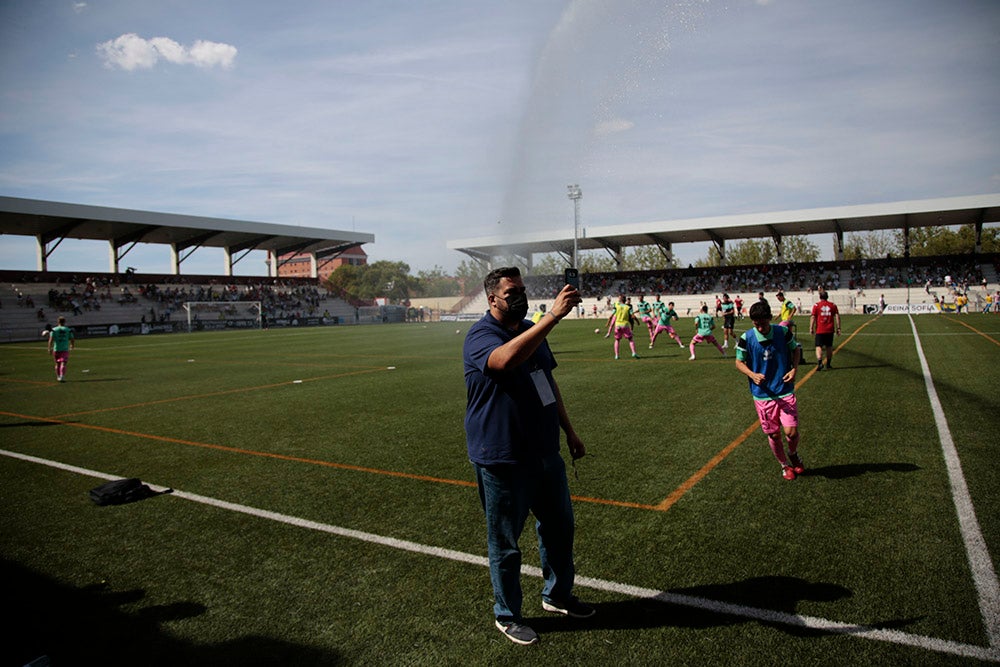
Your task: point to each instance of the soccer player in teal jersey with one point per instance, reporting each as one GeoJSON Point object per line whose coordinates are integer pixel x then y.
{"type": "Point", "coordinates": [61, 341]}
{"type": "Point", "coordinates": [769, 356]}
{"type": "Point", "coordinates": [728, 310]}
{"type": "Point", "coordinates": [645, 312]}
{"type": "Point", "coordinates": [667, 316]}
{"type": "Point", "coordinates": [657, 307]}
{"type": "Point", "coordinates": [704, 324]}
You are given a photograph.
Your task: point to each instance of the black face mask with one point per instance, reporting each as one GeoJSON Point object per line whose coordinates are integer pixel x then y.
{"type": "Point", "coordinates": [517, 305]}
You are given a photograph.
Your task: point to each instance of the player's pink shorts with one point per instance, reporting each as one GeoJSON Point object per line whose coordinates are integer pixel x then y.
{"type": "Point", "coordinates": [660, 328]}
{"type": "Point", "coordinates": [61, 357]}
{"type": "Point", "coordinates": [623, 332]}
{"type": "Point", "coordinates": [788, 324]}
{"type": "Point", "coordinates": [705, 339]}
{"type": "Point", "coordinates": [777, 413]}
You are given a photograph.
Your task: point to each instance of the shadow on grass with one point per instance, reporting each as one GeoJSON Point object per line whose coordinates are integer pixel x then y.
{"type": "Point", "coordinates": [771, 601]}
{"type": "Point", "coordinates": [846, 470]}
{"type": "Point", "coordinates": [86, 626]}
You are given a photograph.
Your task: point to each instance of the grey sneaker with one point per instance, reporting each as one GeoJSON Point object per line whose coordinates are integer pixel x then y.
{"type": "Point", "coordinates": [569, 607]}
{"type": "Point", "coordinates": [517, 633]}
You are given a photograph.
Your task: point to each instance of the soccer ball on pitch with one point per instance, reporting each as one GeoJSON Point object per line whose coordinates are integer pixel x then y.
{"type": "Point", "coordinates": [597, 331]}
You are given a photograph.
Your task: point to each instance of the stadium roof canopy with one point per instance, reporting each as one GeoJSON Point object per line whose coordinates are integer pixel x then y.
{"type": "Point", "coordinates": [905, 215]}
{"type": "Point", "coordinates": [51, 222]}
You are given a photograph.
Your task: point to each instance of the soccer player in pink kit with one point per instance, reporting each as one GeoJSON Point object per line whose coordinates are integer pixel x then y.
{"type": "Point", "coordinates": [704, 323]}
{"type": "Point", "coordinates": [769, 356]}
{"type": "Point", "coordinates": [621, 320]}
{"type": "Point", "coordinates": [61, 341]}
{"type": "Point", "coordinates": [664, 324]}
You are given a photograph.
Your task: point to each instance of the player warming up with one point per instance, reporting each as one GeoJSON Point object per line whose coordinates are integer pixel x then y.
{"type": "Point", "coordinates": [621, 320]}
{"type": "Point", "coordinates": [703, 326]}
{"type": "Point", "coordinates": [61, 341]}
{"type": "Point", "coordinates": [769, 356]}
{"type": "Point", "coordinates": [823, 323]}
{"type": "Point", "coordinates": [665, 323]}
{"type": "Point", "coordinates": [788, 311]}
{"type": "Point", "coordinates": [728, 310]}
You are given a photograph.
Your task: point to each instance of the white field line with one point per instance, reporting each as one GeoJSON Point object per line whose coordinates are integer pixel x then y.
{"type": "Point", "coordinates": [983, 574]}
{"type": "Point", "coordinates": [726, 608]}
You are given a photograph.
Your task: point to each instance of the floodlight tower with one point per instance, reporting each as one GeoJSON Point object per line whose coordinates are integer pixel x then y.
{"type": "Point", "coordinates": [576, 194]}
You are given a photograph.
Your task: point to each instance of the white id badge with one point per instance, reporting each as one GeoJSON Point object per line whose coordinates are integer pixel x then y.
{"type": "Point", "coordinates": [543, 387]}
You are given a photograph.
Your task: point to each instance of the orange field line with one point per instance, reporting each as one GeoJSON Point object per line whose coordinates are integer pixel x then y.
{"type": "Point", "coordinates": [214, 393]}
{"type": "Point", "coordinates": [969, 326]}
{"type": "Point", "coordinates": [239, 450]}
{"type": "Point", "coordinates": [663, 506]}
{"type": "Point", "coordinates": [689, 483]}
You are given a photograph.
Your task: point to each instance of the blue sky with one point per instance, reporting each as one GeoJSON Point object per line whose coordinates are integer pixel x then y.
{"type": "Point", "coordinates": [422, 121]}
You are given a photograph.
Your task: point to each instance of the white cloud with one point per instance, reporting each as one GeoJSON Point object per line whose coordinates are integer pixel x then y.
{"type": "Point", "coordinates": [210, 54]}
{"type": "Point", "coordinates": [79, 6]}
{"type": "Point", "coordinates": [129, 52]}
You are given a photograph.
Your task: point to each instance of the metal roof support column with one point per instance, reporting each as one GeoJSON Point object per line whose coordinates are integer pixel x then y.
{"type": "Point", "coordinates": [227, 261]}
{"type": "Point", "coordinates": [619, 258]}
{"type": "Point", "coordinates": [272, 264]}
{"type": "Point", "coordinates": [668, 252]}
{"type": "Point", "coordinates": [777, 242]}
{"type": "Point", "coordinates": [720, 246]}
{"type": "Point", "coordinates": [43, 258]}
{"type": "Point", "coordinates": [175, 259]}
{"type": "Point", "coordinates": [979, 232]}
{"type": "Point", "coordinates": [313, 266]}
{"type": "Point", "coordinates": [838, 241]}
{"type": "Point", "coordinates": [112, 256]}
{"type": "Point", "coordinates": [906, 236]}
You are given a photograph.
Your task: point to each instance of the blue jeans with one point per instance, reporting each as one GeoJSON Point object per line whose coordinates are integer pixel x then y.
{"type": "Point", "coordinates": [508, 492]}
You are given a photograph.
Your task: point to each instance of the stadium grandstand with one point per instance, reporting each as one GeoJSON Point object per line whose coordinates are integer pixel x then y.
{"type": "Point", "coordinates": [117, 303]}
{"type": "Point", "coordinates": [853, 285]}
{"type": "Point", "coordinates": [125, 302]}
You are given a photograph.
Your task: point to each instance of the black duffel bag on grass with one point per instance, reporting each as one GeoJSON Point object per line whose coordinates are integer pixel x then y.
{"type": "Point", "coordinates": [122, 491]}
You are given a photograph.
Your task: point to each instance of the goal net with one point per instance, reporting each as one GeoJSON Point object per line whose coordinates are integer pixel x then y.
{"type": "Point", "coordinates": [218, 315]}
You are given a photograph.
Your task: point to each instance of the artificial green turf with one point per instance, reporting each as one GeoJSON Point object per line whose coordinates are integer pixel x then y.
{"type": "Point", "coordinates": [868, 537]}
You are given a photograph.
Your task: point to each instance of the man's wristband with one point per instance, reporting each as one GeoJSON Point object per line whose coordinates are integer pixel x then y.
{"type": "Point", "coordinates": [553, 316]}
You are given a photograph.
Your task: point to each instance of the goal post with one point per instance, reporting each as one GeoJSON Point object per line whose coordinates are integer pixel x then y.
{"type": "Point", "coordinates": [219, 315]}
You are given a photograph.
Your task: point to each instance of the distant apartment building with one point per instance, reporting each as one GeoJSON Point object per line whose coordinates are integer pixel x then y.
{"type": "Point", "coordinates": [300, 265]}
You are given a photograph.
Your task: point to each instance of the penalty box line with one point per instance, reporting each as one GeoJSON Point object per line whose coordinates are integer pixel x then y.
{"type": "Point", "coordinates": [704, 604]}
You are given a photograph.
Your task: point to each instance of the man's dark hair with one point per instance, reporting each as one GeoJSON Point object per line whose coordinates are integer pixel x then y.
{"type": "Point", "coordinates": [823, 294]}
{"type": "Point", "coordinates": [760, 311]}
{"type": "Point", "coordinates": [493, 277]}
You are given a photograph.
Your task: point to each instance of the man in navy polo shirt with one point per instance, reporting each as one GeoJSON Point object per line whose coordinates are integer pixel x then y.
{"type": "Point", "coordinates": [512, 424]}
